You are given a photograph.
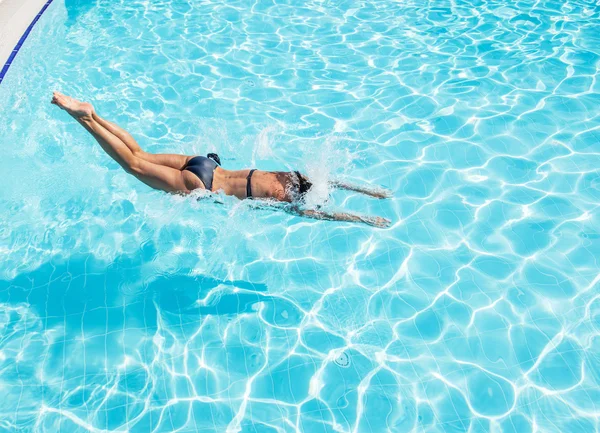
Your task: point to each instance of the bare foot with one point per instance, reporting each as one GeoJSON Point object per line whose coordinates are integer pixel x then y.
{"type": "Point", "coordinates": [75, 108]}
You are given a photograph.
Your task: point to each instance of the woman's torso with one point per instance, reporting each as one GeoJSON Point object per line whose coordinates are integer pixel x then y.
{"type": "Point", "coordinates": [264, 184]}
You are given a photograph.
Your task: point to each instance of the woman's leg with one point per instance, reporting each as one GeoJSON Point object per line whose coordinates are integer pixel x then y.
{"type": "Point", "coordinates": [170, 160]}
{"type": "Point", "coordinates": [154, 175]}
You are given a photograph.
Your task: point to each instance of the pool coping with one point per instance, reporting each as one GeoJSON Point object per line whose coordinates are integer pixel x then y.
{"type": "Point", "coordinates": [17, 19]}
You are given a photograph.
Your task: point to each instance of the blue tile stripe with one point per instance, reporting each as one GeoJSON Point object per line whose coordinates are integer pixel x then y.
{"type": "Point", "coordinates": [14, 52]}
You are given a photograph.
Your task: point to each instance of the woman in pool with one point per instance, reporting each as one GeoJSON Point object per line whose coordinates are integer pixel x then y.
{"type": "Point", "coordinates": [182, 174]}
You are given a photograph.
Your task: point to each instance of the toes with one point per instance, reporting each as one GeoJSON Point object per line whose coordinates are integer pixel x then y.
{"type": "Point", "coordinates": [57, 99]}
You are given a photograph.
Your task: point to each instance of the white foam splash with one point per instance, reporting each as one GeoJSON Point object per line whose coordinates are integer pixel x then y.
{"type": "Point", "coordinates": [320, 168]}
{"type": "Point", "coordinates": [264, 143]}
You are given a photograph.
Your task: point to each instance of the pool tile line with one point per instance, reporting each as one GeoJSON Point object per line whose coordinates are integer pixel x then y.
{"type": "Point", "coordinates": [15, 51]}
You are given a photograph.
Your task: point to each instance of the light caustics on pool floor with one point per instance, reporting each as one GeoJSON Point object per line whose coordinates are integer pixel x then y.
{"type": "Point", "coordinates": [124, 309]}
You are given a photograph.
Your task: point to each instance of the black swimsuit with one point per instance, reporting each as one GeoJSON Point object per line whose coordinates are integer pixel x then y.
{"type": "Point", "coordinates": [249, 183]}
{"type": "Point", "coordinates": [204, 168]}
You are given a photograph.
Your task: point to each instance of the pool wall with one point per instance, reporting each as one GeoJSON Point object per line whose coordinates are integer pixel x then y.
{"type": "Point", "coordinates": [17, 18]}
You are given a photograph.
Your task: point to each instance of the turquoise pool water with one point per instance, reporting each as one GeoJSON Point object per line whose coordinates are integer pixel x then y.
{"type": "Point", "coordinates": [125, 309]}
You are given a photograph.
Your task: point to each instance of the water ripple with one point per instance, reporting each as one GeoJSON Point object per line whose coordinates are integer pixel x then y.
{"type": "Point", "coordinates": [124, 309]}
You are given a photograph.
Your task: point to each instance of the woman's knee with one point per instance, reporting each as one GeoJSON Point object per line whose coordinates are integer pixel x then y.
{"type": "Point", "coordinates": [133, 166]}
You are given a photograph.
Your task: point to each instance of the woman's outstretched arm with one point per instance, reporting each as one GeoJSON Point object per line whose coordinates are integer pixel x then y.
{"type": "Point", "coordinates": [342, 216]}
{"type": "Point", "coordinates": [371, 191]}
{"type": "Point", "coordinates": [321, 215]}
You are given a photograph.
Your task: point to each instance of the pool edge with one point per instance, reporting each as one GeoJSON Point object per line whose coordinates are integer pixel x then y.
{"type": "Point", "coordinates": [16, 27]}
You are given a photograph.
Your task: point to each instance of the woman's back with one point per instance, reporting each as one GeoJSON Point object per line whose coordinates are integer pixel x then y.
{"type": "Point", "coordinates": [263, 184]}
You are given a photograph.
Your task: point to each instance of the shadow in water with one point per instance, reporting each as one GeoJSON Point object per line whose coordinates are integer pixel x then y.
{"type": "Point", "coordinates": [79, 320]}
{"type": "Point", "coordinates": [76, 8]}
{"type": "Point", "coordinates": [84, 293]}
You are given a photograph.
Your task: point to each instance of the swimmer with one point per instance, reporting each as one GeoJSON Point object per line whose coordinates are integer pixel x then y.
{"type": "Point", "coordinates": [181, 174]}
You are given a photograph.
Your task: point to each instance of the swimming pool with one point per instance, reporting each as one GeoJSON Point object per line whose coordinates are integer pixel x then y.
{"type": "Point", "coordinates": [125, 309]}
